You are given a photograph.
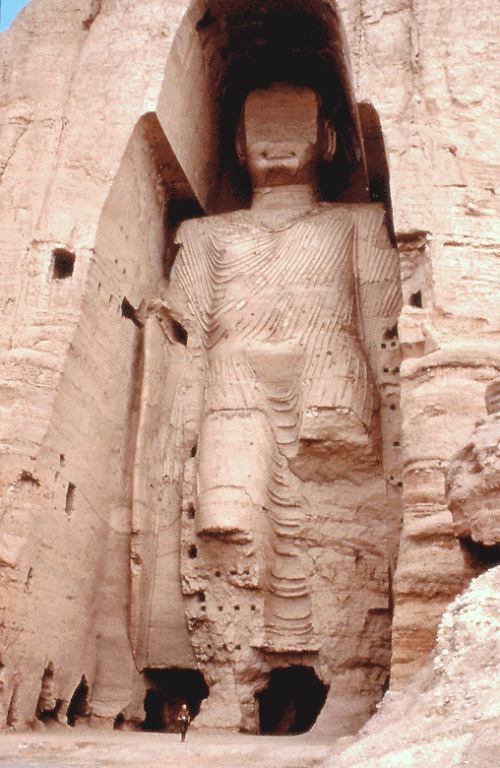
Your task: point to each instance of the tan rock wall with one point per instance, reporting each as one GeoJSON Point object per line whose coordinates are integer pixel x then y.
{"type": "Point", "coordinates": [71, 507]}
{"type": "Point", "coordinates": [68, 353]}
{"type": "Point", "coordinates": [430, 71]}
{"type": "Point", "coordinates": [473, 481]}
{"type": "Point", "coordinates": [76, 81]}
{"type": "Point", "coordinates": [448, 715]}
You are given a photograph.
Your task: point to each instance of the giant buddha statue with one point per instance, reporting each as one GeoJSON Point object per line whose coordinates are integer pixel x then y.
{"type": "Point", "coordinates": [280, 372]}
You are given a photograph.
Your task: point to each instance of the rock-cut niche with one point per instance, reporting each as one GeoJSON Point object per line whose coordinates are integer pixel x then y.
{"type": "Point", "coordinates": [166, 691]}
{"type": "Point", "coordinates": [273, 422]}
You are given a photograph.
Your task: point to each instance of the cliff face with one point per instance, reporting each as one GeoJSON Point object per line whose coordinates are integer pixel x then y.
{"type": "Point", "coordinates": [448, 714]}
{"type": "Point", "coordinates": [105, 118]}
{"type": "Point", "coordinates": [473, 482]}
{"type": "Point", "coordinates": [68, 354]}
{"type": "Point", "coordinates": [427, 86]}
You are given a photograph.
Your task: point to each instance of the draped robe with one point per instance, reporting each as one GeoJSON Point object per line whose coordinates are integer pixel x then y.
{"type": "Point", "coordinates": [290, 320]}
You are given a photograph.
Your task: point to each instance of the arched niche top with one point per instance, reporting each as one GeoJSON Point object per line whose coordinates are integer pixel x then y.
{"type": "Point", "coordinates": [225, 48]}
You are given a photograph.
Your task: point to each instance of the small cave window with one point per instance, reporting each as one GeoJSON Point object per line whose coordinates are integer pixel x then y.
{"type": "Point", "coordinates": [167, 690]}
{"type": "Point", "coordinates": [131, 313]}
{"type": "Point", "coordinates": [416, 299]}
{"type": "Point", "coordinates": [79, 706]}
{"type": "Point", "coordinates": [180, 333]}
{"type": "Point", "coordinates": [70, 499]}
{"type": "Point", "coordinates": [63, 263]}
{"type": "Point", "coordinates": [28, 477]}
{"type": "Point", "coordinates": [391, 333]}
{"type": "Point", "coordinates": [192, 551]}
{"type": "Point", "coordinates": [291, 701]}
{"type": "Point", "coordinates": [11, 718]}
{"type": "Point", "coordinates": [119, 722]}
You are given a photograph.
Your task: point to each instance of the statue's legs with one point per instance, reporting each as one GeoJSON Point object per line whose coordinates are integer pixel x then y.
{"type": "Point", "coordinates": [246, 493]}
{"type": "Point", "coordinates": [235, 458]}
{"type": "Point", "coordinates": [287, 609]}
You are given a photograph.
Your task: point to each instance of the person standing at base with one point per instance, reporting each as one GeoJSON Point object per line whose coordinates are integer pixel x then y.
{"type": "Point", "coordinates": [184, 720]}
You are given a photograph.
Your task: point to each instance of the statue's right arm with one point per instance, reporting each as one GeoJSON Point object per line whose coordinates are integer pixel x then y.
{"type": "Point", "coordinates": [187, 295]}
{"type": "Point", "coordinates": [174, 351]}
{"type": "Point", "coordinates": [170, 394]}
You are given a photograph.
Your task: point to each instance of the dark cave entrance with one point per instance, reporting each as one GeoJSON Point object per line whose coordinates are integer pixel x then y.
{"type": "Point", "coordinates": [292, 700]}
{"type": "Point", "coordinates": [78, 708]}
{"type": "Point", "coordinates": [479, 557]}
{"type": "Point", "coordinates": [167, 690]}
{"type": "Point", "coordinates": [48, 706]}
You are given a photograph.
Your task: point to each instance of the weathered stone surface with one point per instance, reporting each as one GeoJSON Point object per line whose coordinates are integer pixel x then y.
{"type": "Point", "coordinates": [473, 479]}
{"type": "Point", "coordinates": [448, 716]}
{"type": "Point", "coordinates": [105, 121]}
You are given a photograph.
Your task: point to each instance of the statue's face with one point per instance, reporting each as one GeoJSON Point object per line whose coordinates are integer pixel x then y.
{"type": "Point", "coordinates": [282, 143]}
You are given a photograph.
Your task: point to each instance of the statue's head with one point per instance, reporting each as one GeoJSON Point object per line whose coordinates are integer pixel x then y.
{"type": "Point", "coordinates": [282, 136]}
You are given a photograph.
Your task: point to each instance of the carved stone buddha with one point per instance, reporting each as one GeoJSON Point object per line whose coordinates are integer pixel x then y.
{"type": "Point", "coordinates": [285, 385]}
{"type": "Point", "coordinates": [291, 299]}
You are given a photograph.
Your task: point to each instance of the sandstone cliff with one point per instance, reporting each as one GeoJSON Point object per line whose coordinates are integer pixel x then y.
{"type": "Point", "coordinates": [106, 115]}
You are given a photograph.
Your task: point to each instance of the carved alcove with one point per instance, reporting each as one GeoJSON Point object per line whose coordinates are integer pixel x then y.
{"type": "Point", "coordinates": [235, 47]}
{"type": "Point", "coordinates": [222, 52]}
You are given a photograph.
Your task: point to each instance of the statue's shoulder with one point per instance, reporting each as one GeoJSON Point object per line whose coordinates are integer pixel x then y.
{"type": "Point", "coordinates": [188, 228]}
{"type": "Point", "coordinates": [216, 226]}
{"type": "Point", "coordinates": [356, 212]}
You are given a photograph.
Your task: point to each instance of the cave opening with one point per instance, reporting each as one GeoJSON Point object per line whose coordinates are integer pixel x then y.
{"type": "Point", "coordinates": [63, 263]}
{"type": "Point", "coordinates": [416, 300]}
{"type": "Point", "coordinates": [166, 691]}
{"type": "Point", "coordinates": [48, 706]}
{"type": "Point", "coordinates": [480, 557]}
{"type": "Point", "coordinates": [291, 701]}
{"type": "Point", "coordinates": [79, 706]}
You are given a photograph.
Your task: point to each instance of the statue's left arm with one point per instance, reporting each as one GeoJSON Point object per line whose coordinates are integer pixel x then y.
{"type": "Point", "coordinates": [378, 289]}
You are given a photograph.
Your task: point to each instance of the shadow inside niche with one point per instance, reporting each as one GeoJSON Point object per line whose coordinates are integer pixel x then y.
{"type": "Point", "coordinates": [78, 708]}
{"type": "Point", "coordinates": [480, 557]}
{"type": "Point", "coordinates": [292, 701]}
{"type": "Point", "coordinates": [167, 690]}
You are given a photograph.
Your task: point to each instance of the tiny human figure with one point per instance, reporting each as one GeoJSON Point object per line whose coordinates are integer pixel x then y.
{"type": "Point", "coordinates": [184, 719]}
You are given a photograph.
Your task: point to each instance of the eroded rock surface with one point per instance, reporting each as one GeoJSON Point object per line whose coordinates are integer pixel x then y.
{"type": "Point", "coordinates": [117, 124]}
{"type": "Point", "coordinates": [473, 480]}
{"type": "Point", "coordinates": [448, 716]}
